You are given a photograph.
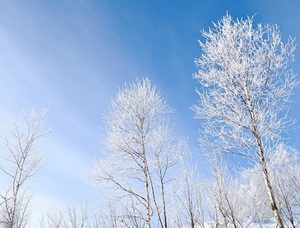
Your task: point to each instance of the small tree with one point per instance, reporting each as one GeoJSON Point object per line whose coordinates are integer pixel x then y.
{"type": "Point", "coordinates": [285, 176]}
{"type": "Point", "coordinates": [21, 163]}
{"type": "Point", "coordinates": [140, 152]}
{"type": "Point", "coordinates": [189, 197]}
{"type": "Point", "coordinates": [246, 83]}
{"type": "Point", "coordinates": [223, 194]}
{"type": "Point", "coordinates": [253, 199]}
{"type": "Point", "coordinates": [72, 214]}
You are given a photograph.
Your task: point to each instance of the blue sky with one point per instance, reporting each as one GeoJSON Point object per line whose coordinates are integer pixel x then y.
{"type": "Point", "coordinates": [72, 56]}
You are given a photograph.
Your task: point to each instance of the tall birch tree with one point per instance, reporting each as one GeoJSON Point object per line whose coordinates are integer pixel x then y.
{"type": "Point", "coordinates": [246, 83]}
{"type": "Point", "coordinates": [140, 153]}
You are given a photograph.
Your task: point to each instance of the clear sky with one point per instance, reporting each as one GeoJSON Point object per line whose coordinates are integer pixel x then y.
{"type": "Point", "coordinates": [72, 56]}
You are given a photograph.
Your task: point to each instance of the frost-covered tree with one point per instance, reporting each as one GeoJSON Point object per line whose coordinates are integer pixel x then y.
{"type": "Point", "coordinates": [254, 203]}
{"type": "Point", "coordinates": [140, 153]}
{"type": "Point", "coordinates": [19, 163]}
{"type": "Point", "coordinates": [223, 196]}
{"type": "Point", "coordinates": [246, 85]}
{"type": "Point", "coordinates": [285, 176]}
{"type": "Point", "coordinates": [189, 198]}
{"type": "Point", "coordinates": [72, 214]}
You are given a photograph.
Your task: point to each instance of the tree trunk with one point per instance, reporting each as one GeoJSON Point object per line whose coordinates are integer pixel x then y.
{"type": "Point", "coordinates": [271, 193]}
{"type": "Point", "coordinates": [162, 186]}
{"type": "Point", "coordinates": [268, 185]}
{"type": "Point", "coordinates": [146, 172]}
{"type": "Point", "coordinates": [190, 206]}
{"type": "Point", "coordinates": [263, 164]}
{"type": "Point", "coordinates": [147, 196]}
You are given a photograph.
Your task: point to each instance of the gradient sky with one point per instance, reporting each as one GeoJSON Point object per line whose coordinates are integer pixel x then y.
{"type": "Point", "coordinates": [71, 56]}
